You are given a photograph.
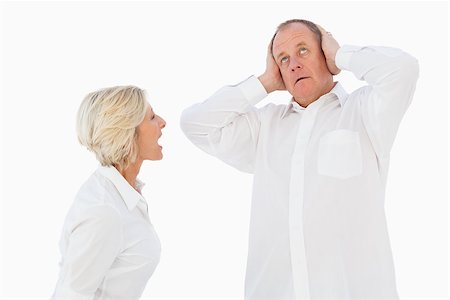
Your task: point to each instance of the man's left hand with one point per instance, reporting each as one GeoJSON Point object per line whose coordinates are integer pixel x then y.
{"type": "Point", "coordinates": [329, 46]}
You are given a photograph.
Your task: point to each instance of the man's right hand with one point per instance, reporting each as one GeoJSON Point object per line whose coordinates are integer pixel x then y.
{"type": "Point", "coordinates": [271, 79]}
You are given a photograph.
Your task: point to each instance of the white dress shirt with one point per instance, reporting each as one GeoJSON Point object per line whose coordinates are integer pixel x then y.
{"type": "Point", "coordinates": [108, 245]}
{"type": "Point", "coordinates": [318, 227]}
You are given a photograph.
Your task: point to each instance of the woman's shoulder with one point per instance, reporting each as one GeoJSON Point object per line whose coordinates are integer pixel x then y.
{"type": "Point", "coordinates": [93, 191]}
{"type": "Point", "coordinates": [96, 196]}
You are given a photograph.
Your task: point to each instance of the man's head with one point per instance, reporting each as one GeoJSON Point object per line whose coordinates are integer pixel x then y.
{"type": "Point", "coordinates": [296, 49]}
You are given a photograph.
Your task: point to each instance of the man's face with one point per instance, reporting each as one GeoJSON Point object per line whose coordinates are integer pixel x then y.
{"type": "Point", "coordinates": [302, 64]}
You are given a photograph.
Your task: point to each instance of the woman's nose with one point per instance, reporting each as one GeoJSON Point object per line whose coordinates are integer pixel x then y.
{"type": "Point", "coordinates": [162, 123]}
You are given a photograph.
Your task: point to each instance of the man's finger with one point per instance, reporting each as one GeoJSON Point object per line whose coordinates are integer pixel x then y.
{"type": "Point", "coordinates": [322, 30]}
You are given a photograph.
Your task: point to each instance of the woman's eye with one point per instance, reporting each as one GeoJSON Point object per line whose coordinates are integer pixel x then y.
{"type": "Point", "coordinates": [303, 51]}
{"type": "Point", "coordinates": [153, 117]}
{"type": "Point", "coordinates": [284, 60]}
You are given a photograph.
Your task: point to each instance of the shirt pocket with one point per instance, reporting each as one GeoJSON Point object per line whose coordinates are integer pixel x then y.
{"type": "Point", "coordinates": [339, 154]}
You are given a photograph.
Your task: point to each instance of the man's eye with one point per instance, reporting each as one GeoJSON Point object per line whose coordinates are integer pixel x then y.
{"type": "Point", "coordinates": [303, 51]}
{"type": "Point", "coordinates": [284, 60]}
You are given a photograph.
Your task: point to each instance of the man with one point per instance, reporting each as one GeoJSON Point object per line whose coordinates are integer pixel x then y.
{"type": "Point", "coordinates": [318, 228]}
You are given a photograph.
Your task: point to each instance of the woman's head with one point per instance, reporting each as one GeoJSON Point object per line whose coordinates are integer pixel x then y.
{"type": "Point", "coordinates": [119, 126]}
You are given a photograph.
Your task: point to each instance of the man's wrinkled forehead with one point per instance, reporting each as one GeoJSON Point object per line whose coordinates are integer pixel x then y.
{"type": "Point", "coordinates": [290, 34]}
{"type": "Point", "coordinates": [281, 41]}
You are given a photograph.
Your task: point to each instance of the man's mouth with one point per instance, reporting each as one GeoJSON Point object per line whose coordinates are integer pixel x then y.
{"type": "Point", "coordinates": [301, 78]}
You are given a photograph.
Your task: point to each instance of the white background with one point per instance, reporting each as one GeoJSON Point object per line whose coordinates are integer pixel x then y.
{"type": "Point", "coordinates": [55, 53]}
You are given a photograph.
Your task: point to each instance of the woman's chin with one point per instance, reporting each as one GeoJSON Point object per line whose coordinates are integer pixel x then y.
{"type": "Point", "coordinates": [160, 155]}
{"type": "Point", "coordinates": [155, 156]}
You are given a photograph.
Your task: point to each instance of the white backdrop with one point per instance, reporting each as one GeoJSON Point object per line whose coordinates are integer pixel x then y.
{"type": "Point", "coordinates": [181, 52]}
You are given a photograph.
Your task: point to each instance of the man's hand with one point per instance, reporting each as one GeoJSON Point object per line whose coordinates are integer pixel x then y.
{"type": "Point", "coordinates": [329, 46]}
{"type": "Point", "coordinates": [271, 78]}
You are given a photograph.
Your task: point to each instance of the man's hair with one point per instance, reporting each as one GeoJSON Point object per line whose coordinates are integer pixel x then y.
{"type": "Point", "coordinates": [107, 121]}
{"type": "Point", "coordinates": [312, 26]}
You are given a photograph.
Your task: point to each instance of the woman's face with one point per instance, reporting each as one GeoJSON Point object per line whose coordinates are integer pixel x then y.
{"type": "Point", "coordinates": [149, 132]}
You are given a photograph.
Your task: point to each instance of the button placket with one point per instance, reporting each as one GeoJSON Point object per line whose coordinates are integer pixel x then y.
{"type": "Point", "coordinates": [296, 191]}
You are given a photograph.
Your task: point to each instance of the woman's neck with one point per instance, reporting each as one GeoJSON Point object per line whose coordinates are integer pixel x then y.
{"type": "Point", "coordinates": [130, 173]}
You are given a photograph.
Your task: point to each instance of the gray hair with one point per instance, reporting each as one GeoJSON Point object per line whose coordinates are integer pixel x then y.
{"type": "Point", "coordinates": [312, 26]}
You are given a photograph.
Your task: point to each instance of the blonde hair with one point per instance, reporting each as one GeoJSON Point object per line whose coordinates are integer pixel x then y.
{"type": "Point", "coordinates": [106, 124]}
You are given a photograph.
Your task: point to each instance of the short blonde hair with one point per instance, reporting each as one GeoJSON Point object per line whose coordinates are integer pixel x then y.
{"type": "Point", "coordinates": [106, 124]}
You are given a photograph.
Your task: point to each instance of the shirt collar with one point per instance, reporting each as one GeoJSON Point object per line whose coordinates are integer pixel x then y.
{"type": "Point", "coordinates": [130, 196]}
{"type": "Point", "coordinates": [337, 91]}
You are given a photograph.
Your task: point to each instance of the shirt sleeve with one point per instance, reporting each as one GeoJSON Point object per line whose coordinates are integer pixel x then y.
{"type": "Point", "coordinates": [227, 124]}
{"type": "Point", "coordinates": [94, 243]}
{"type": "Point", "coordinates": [391, 75]}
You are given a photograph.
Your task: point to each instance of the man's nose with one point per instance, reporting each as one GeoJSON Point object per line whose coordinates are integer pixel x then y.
{"type": "Point", "coordinates": [295, 64]}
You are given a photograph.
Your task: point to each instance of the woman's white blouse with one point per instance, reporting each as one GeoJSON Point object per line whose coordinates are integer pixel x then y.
{"type": "Point", "coordinates": [108, 245]}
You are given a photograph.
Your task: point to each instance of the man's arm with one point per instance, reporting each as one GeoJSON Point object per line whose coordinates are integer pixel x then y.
{"type": "Point", "coordinates": [391, 75]}
{"type": "Point", "coordinates": [227, 124]}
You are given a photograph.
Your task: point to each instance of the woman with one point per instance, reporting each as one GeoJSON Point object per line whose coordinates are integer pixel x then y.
{"type": "Point", "coordinates": [108, 245]}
